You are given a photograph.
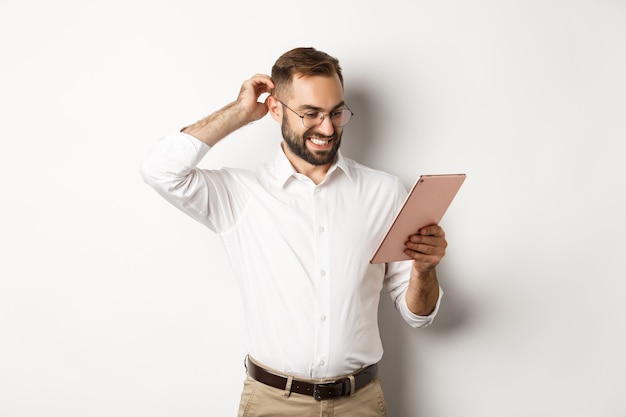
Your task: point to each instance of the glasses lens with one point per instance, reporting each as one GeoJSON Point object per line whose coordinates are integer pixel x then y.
{"type": "Point", "coordinates": [341, 117]}
{"type": "Point", "coordinates": [338, 118]}
{"type": "Point", "coordinates": [312, 118]}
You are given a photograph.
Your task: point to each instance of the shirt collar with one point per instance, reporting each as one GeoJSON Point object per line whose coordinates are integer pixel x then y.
{"type": "Point", "coordinates": [284, 170]}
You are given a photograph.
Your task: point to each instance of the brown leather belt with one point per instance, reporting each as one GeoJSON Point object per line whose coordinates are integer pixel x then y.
{"type": "Point", "coordinates": [320, 391]}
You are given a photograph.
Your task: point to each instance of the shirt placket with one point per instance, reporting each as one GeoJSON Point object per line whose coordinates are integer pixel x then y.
{"type": "Point", "coordinates": [322, 285]}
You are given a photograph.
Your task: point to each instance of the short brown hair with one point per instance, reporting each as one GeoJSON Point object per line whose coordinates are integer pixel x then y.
{"type": "Point", "coordinates": [302, 62]}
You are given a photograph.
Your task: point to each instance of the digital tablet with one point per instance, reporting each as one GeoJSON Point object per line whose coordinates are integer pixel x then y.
{"type": "Point", "coordinates": [425, 204]}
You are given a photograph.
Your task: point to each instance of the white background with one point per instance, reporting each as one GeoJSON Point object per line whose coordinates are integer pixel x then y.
{"type": "Point", "coordinates": [112, 303]}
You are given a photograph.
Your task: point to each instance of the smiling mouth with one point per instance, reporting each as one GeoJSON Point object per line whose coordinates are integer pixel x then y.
{"type": "Point", "coordinates": [320, 142]}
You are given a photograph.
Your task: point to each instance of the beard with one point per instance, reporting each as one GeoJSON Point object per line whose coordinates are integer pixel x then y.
{"type": "Point", "coordinates": [297, 145]}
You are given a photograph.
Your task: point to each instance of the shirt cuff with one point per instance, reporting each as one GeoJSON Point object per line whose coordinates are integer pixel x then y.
{"type": "Point", "coordinates": [188, 148]}
{"type": "Point", "coordinates": [416, 321]}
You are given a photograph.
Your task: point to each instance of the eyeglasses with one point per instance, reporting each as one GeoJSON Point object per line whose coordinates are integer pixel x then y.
{"type": "Point", "coordinates": [312, 118]}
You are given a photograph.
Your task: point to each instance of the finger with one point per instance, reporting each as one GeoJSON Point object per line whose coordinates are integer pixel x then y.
{"type": "Point", "coordinates": [426, 248]}
{"type": "Point", "coordinates": [433, 240]}
{"type": "Point", "coordinates": [425, 260]}
{"type": "Point", "coordinates": [432, 230]}
{"type": "Point", "coordinates": [256, 86]}
{"type": "Point", "coordinates": [262, 83]}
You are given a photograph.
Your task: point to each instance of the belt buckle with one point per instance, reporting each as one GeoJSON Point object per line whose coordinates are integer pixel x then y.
{"type": "Point", "coordinates": [317, 393]}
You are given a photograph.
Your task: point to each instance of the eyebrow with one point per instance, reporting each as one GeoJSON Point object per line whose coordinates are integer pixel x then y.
{"type": "Point", "coordinates": [306, 107]}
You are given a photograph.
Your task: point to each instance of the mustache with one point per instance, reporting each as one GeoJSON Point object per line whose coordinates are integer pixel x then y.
{"type": "Point", "coordinates": [319, 135]}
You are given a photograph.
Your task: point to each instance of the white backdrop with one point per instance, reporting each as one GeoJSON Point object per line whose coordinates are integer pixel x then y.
{"type": "Point", "coordinates": [112, 303]}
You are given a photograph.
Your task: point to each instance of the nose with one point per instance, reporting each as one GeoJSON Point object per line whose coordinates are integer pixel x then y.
{"type": "Point", "coordinates": [326, 126]}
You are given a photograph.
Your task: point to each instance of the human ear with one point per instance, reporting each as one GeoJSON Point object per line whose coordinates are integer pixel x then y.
{"type": "Point", "coordinates": [274, 108]}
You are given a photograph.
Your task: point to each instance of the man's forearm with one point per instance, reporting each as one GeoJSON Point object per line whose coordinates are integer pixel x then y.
{"type": "Point", "coordinates": [423, 292]}
{"type": "Point", "coordinates": [216, 126]}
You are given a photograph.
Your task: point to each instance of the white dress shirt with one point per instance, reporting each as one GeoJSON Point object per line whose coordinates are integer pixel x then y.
{"type": "Point", "coordinates": [300, 252]}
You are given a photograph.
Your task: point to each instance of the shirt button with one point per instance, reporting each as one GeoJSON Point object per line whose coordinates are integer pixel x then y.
{"type": "Point", "coordinates": [321, 229]}
{"type": "Point", "coordinates": [323, 273]}
{"type": "Point", "coordinates": [322, 362]}
{"type": "Point", "coordinates": [323, 318]}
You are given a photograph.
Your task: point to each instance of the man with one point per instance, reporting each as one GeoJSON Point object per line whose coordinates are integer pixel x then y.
{"type": "Point", "coordinates": [299, 233]}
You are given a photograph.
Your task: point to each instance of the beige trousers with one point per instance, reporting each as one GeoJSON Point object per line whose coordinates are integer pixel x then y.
{"type": "Point", "coordinates": [260, 400]}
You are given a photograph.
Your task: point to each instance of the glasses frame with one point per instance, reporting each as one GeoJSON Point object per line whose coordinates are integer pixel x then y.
{"type": "Point", "coordinates": [301, 116]}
